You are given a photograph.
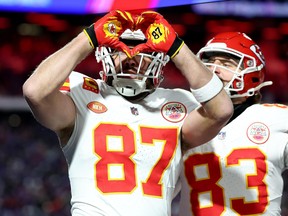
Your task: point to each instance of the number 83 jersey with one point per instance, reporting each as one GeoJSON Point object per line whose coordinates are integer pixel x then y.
{"type": "Point", "coordinates": [239, 171]}
{"type": "Point", "coordinates": [123, 157]}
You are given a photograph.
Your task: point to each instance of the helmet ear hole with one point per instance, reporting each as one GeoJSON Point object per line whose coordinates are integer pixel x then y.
{"type": "Point", "coordinates": [255, 79]}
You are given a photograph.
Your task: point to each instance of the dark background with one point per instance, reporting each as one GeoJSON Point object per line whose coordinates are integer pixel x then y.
{"type": "Point", "coordinates": [33, 171]}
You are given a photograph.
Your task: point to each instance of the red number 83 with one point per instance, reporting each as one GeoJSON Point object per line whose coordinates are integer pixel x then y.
{"type": "Point", "coordinates": [211, 185]}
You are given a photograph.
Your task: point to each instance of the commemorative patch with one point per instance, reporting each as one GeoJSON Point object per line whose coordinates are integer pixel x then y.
{"type": "Point", "coordinates": [258, 133]}
{"type": "Point", "coordinates": [173, 111]}
{"type": "Point", "coordinates": [97, 107]}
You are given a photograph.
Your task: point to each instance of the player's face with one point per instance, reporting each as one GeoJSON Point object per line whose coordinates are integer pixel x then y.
{"type": "Point", "coordinates": [136, 65]}
{"type": "Point", "coordinates": [226, 65]}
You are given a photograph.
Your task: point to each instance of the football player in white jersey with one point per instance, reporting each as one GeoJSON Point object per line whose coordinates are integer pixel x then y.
{"type": "Point", "coordinates": [239, 171]}
{"type": "Point", "coordinates": [121, 134]}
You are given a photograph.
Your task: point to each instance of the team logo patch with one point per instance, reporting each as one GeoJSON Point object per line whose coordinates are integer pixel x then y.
{"type": "Point", "coordinates": [111, 28]}
{"type": "Point", "coordinates": [97, 107]}
{"type": "Point", "coordinates": [173, 111]}
{"type": "Point", "coordinates": [90, 85]}
{"type": "Point", "coordinates": [258, 133]}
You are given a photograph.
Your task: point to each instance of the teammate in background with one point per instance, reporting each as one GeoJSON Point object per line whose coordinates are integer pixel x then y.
{"type": "Point", "coordinates": [121, 134]}
{"type": "Point", "coordinates": [239, 171]}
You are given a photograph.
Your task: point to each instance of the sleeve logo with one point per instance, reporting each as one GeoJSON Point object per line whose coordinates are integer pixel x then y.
{"type": "Point", "coordinates": [90, 85]}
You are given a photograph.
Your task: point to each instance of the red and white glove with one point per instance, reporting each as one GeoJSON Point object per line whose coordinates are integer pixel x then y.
{"type": "Point", "coordinates": [107, 30]}
{"type": "Point", "coordinates": [161, 37]}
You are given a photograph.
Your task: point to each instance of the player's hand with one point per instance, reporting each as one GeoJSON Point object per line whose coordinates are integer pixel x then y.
{"type": "Point", "coordinates": [107, 30]}
{"type": "Point", "coordinates": [160, 35]}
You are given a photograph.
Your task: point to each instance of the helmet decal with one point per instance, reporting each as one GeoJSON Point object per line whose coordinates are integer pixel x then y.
{"type": "Point", "coordinates": [257, 51]}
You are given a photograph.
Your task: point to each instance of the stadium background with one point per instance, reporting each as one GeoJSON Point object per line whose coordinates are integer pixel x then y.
{"type": "Point", "coordinates": [33, 171]}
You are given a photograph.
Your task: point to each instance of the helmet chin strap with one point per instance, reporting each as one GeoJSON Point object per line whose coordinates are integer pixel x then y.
{"type": "Point", "coordinates": [129, 87]}
{"type": "Point", "coordinates": [252, 91]}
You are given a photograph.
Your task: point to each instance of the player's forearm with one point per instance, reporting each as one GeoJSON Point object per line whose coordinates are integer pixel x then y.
{"type": "Point", "coordinates": [203, 83]}
{"type": "Point", "coordinates": [207, 88]}
{"type": "Point", "coordinates": [54, 70]}
{"type": "Point", "coordinates": [192, 68]}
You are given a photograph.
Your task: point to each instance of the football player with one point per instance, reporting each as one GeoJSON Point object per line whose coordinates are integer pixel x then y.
{"type": "Point", "coordinates": [121, 134]}
{"type": "Point", "coordinates": [239, 171]}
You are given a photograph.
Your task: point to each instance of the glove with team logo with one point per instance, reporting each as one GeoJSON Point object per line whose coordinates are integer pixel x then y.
{"type": "Point", "coordinates": [161, 37]}
{"type": "Point", "coordinates": [107, 30]}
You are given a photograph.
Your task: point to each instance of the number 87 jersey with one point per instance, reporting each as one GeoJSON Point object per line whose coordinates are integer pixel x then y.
{"type": "Point", "coordinates": [124, 158]}
{"type": "Point", "coordinates": [239, 171]}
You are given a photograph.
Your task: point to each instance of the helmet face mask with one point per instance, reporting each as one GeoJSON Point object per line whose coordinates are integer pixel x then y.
{"type": "Point", "coordinates": [145, 75]}
{"type": "Point", "coordinates": [248, 77]}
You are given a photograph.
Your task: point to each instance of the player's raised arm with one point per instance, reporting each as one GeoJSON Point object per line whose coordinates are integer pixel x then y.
{"type": "Point", "coordinates": [41, 90]}
{"type": "Point", "coordinates": [216, 108]}
{"type": "Point", "coordinates": [51, 107]}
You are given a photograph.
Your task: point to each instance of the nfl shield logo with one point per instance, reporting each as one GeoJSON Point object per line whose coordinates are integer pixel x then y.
{"type": "Point", "coordinates": [221, 135]}
{"type": "Point", "coordinates": [134, 111]}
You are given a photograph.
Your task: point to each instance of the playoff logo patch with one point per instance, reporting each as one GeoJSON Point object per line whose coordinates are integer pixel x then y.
{"type": "Point", "coordinates": [173, 111]}
{"type": "Point", "coordinates": [258, 133]}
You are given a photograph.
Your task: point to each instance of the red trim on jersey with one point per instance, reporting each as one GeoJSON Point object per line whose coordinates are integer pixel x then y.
{"type": "Point", "coordinates": [66, 86]}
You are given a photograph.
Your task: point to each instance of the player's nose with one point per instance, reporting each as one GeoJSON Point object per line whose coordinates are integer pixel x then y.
{"type": "Point", "coordinates": [130, 63]}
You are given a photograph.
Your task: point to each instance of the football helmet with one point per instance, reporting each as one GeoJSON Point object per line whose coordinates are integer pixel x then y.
{"type": "Point", "coordinates": [248, 78]}
{"type": "Point", "coordinates": [127, 84]}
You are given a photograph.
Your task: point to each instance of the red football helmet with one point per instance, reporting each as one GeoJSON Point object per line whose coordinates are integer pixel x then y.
{"type": "Point", "coordinates": [251, 64]}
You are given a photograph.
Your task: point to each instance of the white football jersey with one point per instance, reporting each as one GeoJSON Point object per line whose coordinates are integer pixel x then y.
{"type": "Point", "coordinates": [239, 171]}
{"type": "Point", "coordinates": [123, 157]}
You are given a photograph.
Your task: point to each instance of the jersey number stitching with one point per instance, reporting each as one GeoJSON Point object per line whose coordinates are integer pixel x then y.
{"type": "Point", "coordinates": [124, 157]}
{"type": "Point", "coordinates": [210, 185]}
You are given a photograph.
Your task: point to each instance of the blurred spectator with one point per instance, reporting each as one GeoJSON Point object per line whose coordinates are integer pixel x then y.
{"type": "Point", "coordinates": [26, 39]}
{"type": "Point", "coordinates": [33, 170]}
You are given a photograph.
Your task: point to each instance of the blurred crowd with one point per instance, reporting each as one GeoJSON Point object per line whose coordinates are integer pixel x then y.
{"type": "Point", "coordinates": [28, 38]}
{"type": "Point", "coordinates": [33, 170]}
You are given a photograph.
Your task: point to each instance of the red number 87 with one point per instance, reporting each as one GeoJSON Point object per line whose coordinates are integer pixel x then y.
{"type": "Point", "coordinates": [123, 157]}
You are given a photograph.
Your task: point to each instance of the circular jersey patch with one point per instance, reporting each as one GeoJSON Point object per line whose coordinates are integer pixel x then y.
{"type": "Point", "coordinates": [173, 111]}
{"type": "Point", "coordinates": [258, 133]}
